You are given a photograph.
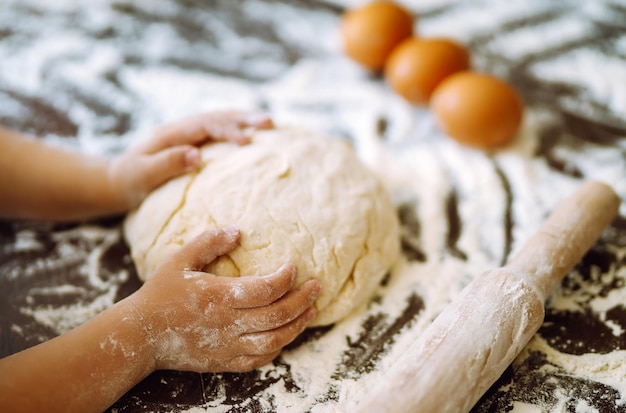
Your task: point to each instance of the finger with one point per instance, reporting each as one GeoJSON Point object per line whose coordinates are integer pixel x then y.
{"type": "Point", "coordinates": [242, 364]}
{"type": "Point", "coordinates": [190, 131]}
{"type": "Point", "coordinates": [274, 340]}
{"type": "Point", "coordinates": [251, 291]}
{"type": "Point", "coordinates": [257, 120]}
{"type": "Point", "coordinates": [288, 308]}
{"type": "Point", "coordinates": [198, 129]}
{"type": "Point", "coordinates": [207, 246]}
{"type": "Point", "coordinates": [168, 163]}
{"type": "Point", "coordinates": [232, 133]}
{"type": "Point", "coordinates": [236, 126]}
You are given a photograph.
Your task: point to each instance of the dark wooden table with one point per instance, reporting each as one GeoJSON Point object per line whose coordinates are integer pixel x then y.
{"type": "Point", "coordinates": [98, 75]}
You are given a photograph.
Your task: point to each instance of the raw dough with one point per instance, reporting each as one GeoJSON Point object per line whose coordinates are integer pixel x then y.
{"type": "Point", "coordinates": [296, 197]}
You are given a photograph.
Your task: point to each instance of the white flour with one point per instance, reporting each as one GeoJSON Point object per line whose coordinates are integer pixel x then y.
{"type": "Point", "coordinates": [607, 368]}
{"type": "Point", "coordinates": [77, 250]}
{"type": "Point", "coordinates": [420, 166]}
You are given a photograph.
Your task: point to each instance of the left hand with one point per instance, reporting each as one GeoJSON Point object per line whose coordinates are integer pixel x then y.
{"type": "Point", "coordinates": [197, 321]}
{"type": "Point", "coordinates": [174, 151]}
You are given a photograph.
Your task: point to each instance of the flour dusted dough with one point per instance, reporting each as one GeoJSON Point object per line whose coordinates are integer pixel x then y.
{"type": "Point", "coordinates": [296, 197]}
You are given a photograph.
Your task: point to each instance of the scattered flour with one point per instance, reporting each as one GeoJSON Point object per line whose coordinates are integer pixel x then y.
{"type": "Point", "coordinates": [421, 168]}
{"type": "Point", "coordinates": [89, 292]}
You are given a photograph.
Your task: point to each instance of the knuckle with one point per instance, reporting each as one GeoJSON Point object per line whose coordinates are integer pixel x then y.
{"type": "Point", "coordinates": [176, 159]}
{"type": "Point", "coordinates": [261, 344]}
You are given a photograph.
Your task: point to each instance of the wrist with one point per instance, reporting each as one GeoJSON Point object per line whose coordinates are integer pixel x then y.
{"type": "Point", "coordinates": [119, 196]}
{"type": "Point", "coordinates": [101, 191]}
{"type": "Point", "coordinates": [143, 331]}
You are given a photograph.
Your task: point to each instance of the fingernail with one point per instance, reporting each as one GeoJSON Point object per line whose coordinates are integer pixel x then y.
{"type": "Point", "coordinates": [310, 315]}
{"type": "Point", "coordinates": [192, 158]}
{"type": "Point", "coordinates": [317, 290]}
{"type": "Point", "coordinates": [231, 231]}
{"type": "Point", "coordinates": [292, 269]}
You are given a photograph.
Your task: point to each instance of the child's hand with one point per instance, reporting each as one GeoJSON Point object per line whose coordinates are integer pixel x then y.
{"type": "Point", "coordinates": [173, 151]}
{"type": "Point", "coordinates": [200, 322]}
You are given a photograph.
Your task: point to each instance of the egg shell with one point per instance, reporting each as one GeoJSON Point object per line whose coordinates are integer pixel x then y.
{"type": "Point", "coordinates": [417, 66]}
{"type": "Point", "coordinates": [371, 32]}
{"type": "Point", "coordinates": [477, 109]}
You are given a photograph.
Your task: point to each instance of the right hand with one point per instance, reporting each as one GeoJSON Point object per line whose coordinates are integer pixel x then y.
{"type": "Point", "coordinates": [174, 150]}
{"type": "Point", "coordinates": [201, 322]}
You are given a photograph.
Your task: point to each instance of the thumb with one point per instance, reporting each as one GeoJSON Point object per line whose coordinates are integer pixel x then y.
{"type": "Point", "coordinates": [169, 163]}
{"type": "Point", "coordinates": [205, 248]}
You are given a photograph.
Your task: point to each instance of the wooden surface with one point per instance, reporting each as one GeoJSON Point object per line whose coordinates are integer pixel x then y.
{"type": "Point", "coordinates": [98, 75]}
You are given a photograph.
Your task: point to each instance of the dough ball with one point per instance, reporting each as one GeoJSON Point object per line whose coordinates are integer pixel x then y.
{"type": "Point", "coordinates": [296, 197]}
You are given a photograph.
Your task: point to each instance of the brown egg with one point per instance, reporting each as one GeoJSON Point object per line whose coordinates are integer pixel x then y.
{"type": "Point", "coordinates": [370, 33]}
{"type": "Point", "coordinates": [418, 65]}
{"type": "Point", "coordinates": [477, 109]}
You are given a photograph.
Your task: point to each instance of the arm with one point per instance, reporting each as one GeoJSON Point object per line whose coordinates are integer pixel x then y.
{"type": "Point", "coordinates": [39, 181]}
{"type": "Point", "coordinates": [181, 318]}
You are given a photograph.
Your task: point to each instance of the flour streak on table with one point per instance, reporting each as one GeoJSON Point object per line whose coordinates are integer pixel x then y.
{"type": "Point", "coordinates": [99, 75]}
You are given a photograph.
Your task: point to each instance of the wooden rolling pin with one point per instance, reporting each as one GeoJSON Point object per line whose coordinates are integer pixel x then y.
{"type": "Point", "coordinates": [470, 344]}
